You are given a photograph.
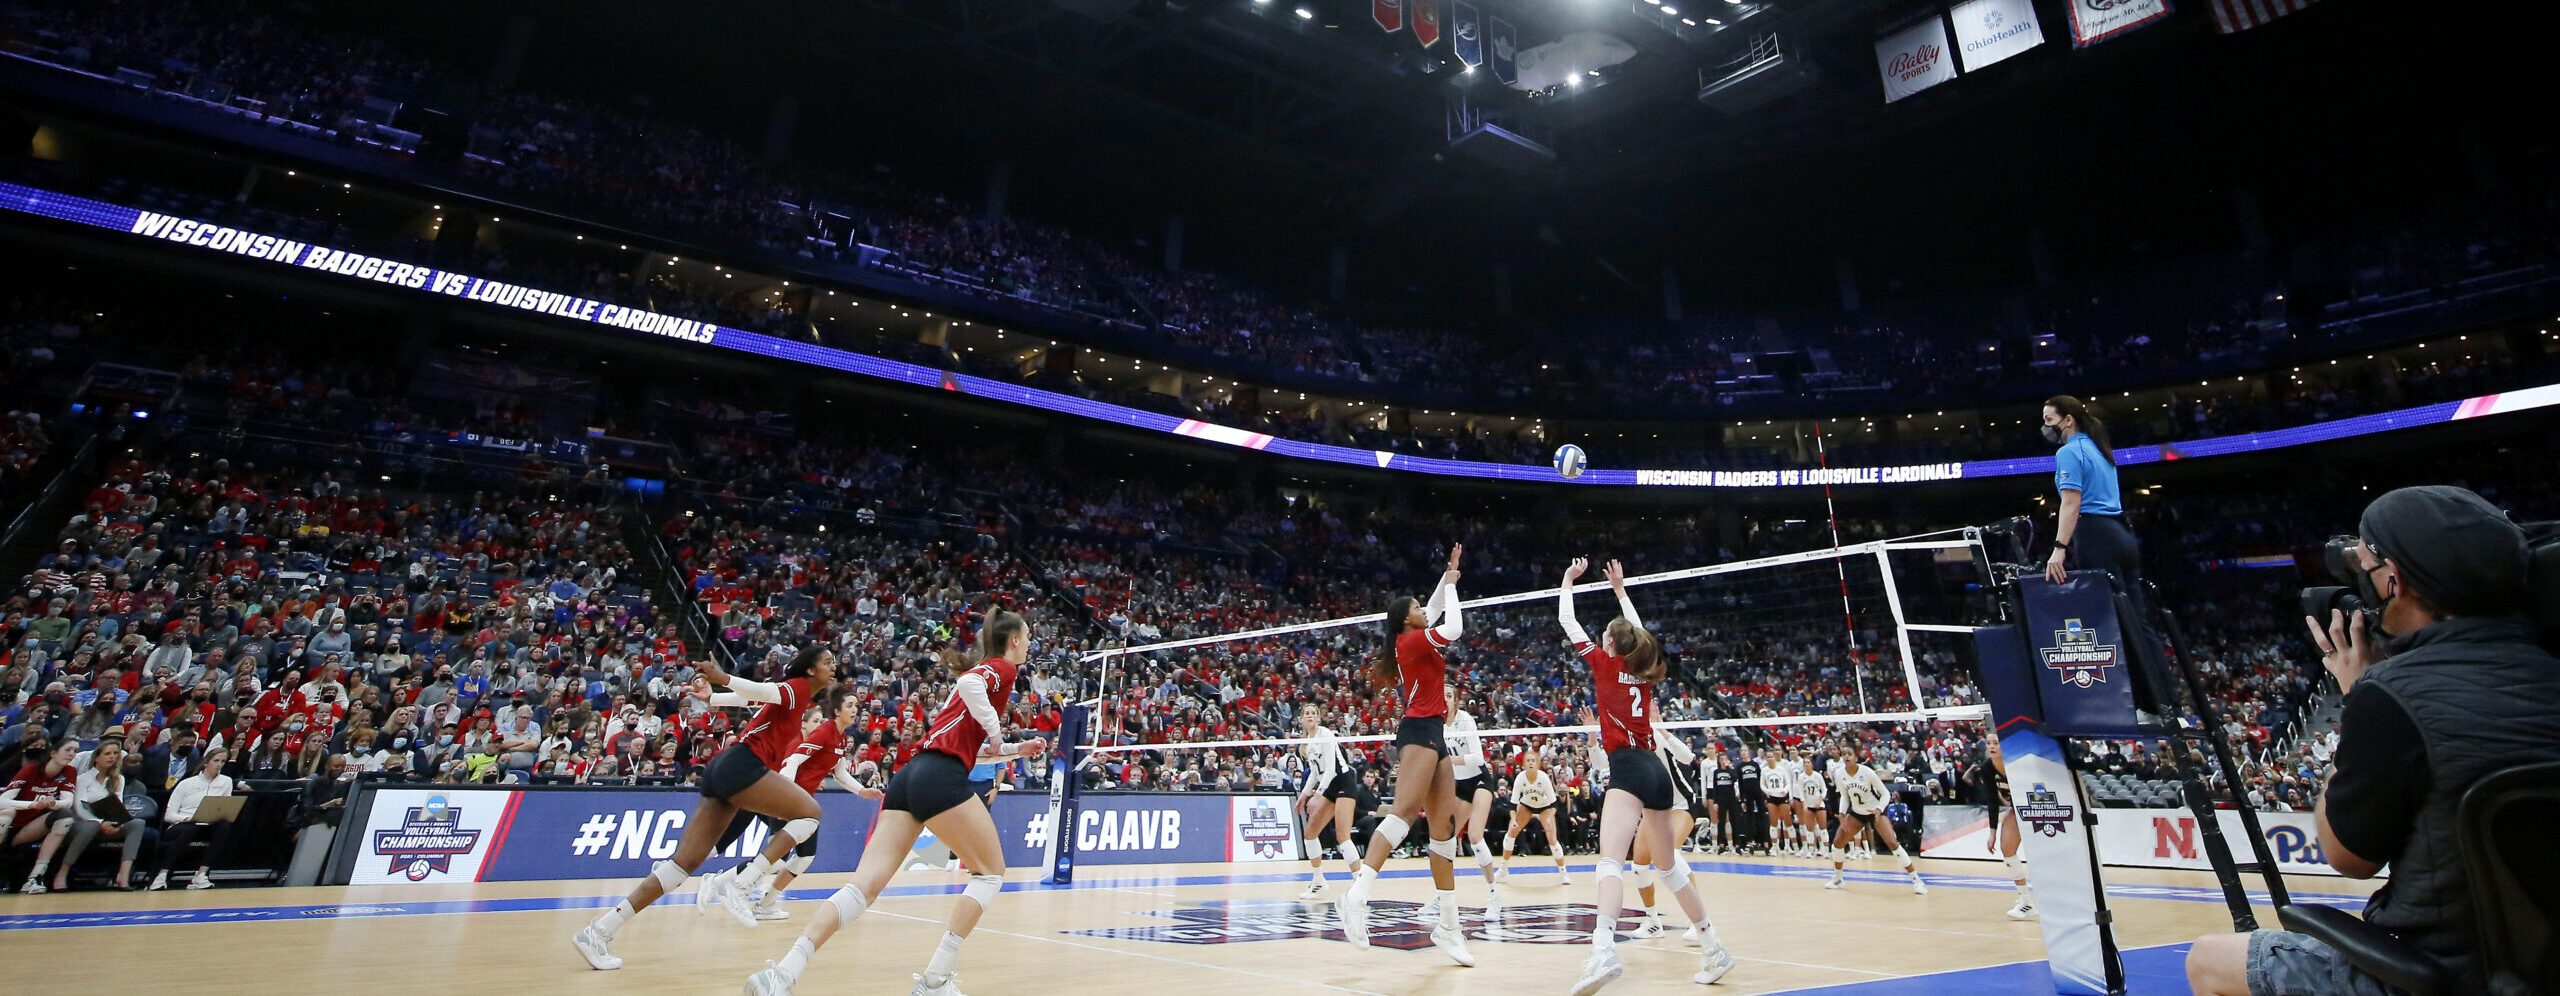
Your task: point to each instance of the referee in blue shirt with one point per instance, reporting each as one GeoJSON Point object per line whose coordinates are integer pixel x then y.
{"type": "Point", "coordinates": [2092, 532]}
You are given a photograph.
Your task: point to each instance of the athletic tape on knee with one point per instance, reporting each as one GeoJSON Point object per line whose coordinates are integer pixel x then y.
{"type": "Point", "coordinates": [2017, 866]}
{"type": "Point", "coordinates": [1393, 829]}
{"type": "Point", "coordinates": [1446, 849]}
{"type": "Point", "coordinates": [669, 875]}
{"type": "Point", "coordinates": [849, 903]}
{"type": "Point", "coordinates": [983, 889]}
{"type": "Point", "coordinates": [799, 863]}
{"type": "Point", "coordinates": [1609, 868]}
{"type": "Point", "coordinates": [801, 829]}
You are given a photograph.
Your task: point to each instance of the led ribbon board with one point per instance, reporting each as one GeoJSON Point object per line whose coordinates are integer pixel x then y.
{"type": "Point", "coordinates": [210, 237]}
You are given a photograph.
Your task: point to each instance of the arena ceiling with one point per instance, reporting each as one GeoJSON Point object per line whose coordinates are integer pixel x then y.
{"type": "Point", "coordinates": [1278, 135]}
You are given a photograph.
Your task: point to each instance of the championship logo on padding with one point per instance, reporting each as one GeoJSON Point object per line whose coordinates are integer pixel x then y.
{"type": "Point", "coordinates": [428, 839]}
{"type": "Point", "coordinates": [1266, 828]}
{"type": "Point", "coordinates": [2044, 811]}
{"type": "Point", "coordinates": [2078, 656]}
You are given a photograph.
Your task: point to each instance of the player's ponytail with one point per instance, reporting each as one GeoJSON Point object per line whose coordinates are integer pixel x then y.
{"type": "Point", "coordinates": [2086, 418]}
{"type": "Point", "coordinates": [1382, 663]}
{"type": "Point", "coordinates": [1637, 646]}
{"type": "Point", "coordinates": [994, 636]}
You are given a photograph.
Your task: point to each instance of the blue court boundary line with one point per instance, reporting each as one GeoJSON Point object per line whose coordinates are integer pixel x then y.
{"type": "Point", "coordinates": [396, 907]}
{"type": "Point", "coordinates": [2157, 970]}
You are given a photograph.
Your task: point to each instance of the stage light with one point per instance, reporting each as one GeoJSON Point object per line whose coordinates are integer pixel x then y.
{"type": "Point", "coordinates": [1305, 14]}
{"type": "Point", "coordinates": [1670, 10]}
{"type": "Point", "coordinates": [1695, 24]}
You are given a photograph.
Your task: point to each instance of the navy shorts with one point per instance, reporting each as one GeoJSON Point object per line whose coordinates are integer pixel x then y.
{"type": "Point", "coordinates": [734, 770]}
{"type": "Point", "coordinates": [1640, 773]}
{"type": "Point", "coordinates": [929, 785]}
{"type": "Point", "coordinates": [1343, 786]}
{"type": "Point", "coordinates": [1423, 731]}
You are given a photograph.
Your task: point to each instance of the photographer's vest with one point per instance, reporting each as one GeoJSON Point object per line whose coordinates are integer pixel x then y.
{"type": "Point", "coordinates": [2484, 697]}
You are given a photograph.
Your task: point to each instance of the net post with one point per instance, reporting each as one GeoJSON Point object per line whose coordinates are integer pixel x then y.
{"type": "Point", "coordinates": [1901, 632]}
{"type": "Point", "coordinates": [1066, 779]}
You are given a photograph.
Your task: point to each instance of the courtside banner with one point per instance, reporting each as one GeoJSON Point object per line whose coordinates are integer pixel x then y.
{"type": "Point", "coordinates": [1139, 828]}
{"type": "Point", "coordinates": [459, 833]}
{"type": "Point", "coordinates": [2094, 21]}
{"type": "Point", "coordinates": [2137, 838]}
{"type": "Point", "coordinates": [2079, 945]}
{"type": "Point", "coordinates": [1914, 59]}
{"type": "Point", "coordinates": [206, 236]}
{"type": "Point", "coordinates": [1988, 31]}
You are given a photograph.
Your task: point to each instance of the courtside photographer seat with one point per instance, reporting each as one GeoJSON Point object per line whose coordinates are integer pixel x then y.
{"type": "Point", "coordinates": [2505, 824]}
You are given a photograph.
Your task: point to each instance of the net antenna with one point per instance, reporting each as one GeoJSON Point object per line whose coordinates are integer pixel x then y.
{"type": "Point", "coordinates": [1969, 538]}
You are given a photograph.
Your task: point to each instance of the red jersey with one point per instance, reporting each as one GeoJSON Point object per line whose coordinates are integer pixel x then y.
{"type": "Point", "coordinates": [954, 730]}
{"type": "Point", "coordinates": [1422, 674]}
{"type": "Point", "coordinates": [819, 756]}
{"type": "Point", "coordinates": [31, 785]}
{"type": "Point", "coordinates": [775, 731]}
{"type": "Point", "coordinates": [1625, 703]}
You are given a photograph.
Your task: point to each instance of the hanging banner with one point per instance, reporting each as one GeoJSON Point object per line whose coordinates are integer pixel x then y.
{"type": "Point", "coordinates": [1426, 21]}
{"type": "Point", "coordinates": [1466, 33]}
{"type": "Point", "coordinates": [1504, 51]}
{"type": "Point", "coordinates": [1388, 13]}
{"type": "Point", "coordinates": [2094, 21]}
{"type": "Point", "coordinates": [1914, 59]}
{"type": "Point", "coordinates": [1988, 31]}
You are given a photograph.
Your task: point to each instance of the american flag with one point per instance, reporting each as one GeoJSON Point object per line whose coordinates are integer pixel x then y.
{"type": "Point", "coordinates": [2240, 15]}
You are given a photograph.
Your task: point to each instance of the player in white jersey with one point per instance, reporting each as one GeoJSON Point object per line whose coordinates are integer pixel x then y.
{"type": "Point", "coordinates": [1862, 800]}
{"type": "Point", "coordinates": [1778, 783]}
{"type": "Point", "coordinates": [1331, 797]}
{"type": "Point", "coordinates": [1475, 792]}
{"type": "Point", "coordinates": [1533, 797]}
{"type": "Point", "coordinates": [2008, 836]}
{"type": "Point", "coordinates": [1812, 808]}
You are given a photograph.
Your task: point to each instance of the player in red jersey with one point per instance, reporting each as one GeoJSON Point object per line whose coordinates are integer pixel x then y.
{"type": "Point", "coordinates": [1425, 779]}
{"type": "Point", "coordinates": [39, 805]}
{"type": "Point", "coordinates": [931, 792]}
{"type": "Point", "coordinates": [821, 754]}
{"type": "Point", "coordinates": [1625, 663]}
{"type": "Point", "coordinates": [739, 777]}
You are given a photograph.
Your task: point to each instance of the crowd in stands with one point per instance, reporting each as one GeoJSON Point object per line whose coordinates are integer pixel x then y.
{"type": "Point", "coordinates": [670, 177]}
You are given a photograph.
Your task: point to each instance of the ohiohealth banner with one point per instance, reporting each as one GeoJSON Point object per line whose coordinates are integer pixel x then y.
{"type": "Point", "coordinates": [1914, 59]}
{"type": "Point", "coordinates": [1988, 31]}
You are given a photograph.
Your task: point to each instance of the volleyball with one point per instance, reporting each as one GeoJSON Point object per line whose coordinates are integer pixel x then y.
{"type": "Point", "coordinates": [1570, 461]}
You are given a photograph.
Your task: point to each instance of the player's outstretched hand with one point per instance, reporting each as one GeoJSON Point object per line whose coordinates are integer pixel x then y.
{"type": "Point", "coordinates": [1573, 571]}
{"type": "Point", "coordinates": [1617, 575]}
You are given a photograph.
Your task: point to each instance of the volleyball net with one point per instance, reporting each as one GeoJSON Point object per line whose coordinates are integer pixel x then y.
{"type": "Point", "coordinates": [1773, 648]}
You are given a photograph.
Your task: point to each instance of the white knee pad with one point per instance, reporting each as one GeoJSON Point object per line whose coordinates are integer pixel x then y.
{"type": "Point", "coordinates": [1392, 830]}
{"type": "Point", "coordinates": [849, 903]}
{"type": "Point", "coordinates": [798, 864]}
{"type": "Point", "coordinates": [1446, 849]}
{"type": "Point", "coordinates": [983, 889]}
{"type": "Point", "coordinates": [1678, 877]}
{"type": "Point", "coordinates": [1609, 868]}
{"type": "Point", "coordinates": [1640, 877]}
{"type": "Point", "coordinates": [669, 875]}
{"type": "Point", "coordinates": [800, 830]}
{"type": "Point", "coordinates": [2017, 866]}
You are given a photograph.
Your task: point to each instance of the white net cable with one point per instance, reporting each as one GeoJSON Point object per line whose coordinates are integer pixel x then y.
{"type": "Point", "coordinates": [1878, 607]}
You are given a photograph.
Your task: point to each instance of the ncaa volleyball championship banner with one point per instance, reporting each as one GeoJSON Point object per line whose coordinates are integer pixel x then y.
{"type": "Point", "coordinates": [1140, 828]}
{"type": "Point", "coordinates": [502, 833]}
{"type": "Point", "coordinates": [2138, 838]}
{"type": "Point", "coordinates": [204, 236]}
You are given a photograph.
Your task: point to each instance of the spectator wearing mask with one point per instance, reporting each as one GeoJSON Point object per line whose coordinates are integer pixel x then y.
{"type": "Point", "coordinates": [181, 830]}
{"type": "Point", "coordinates": [2454, 689]}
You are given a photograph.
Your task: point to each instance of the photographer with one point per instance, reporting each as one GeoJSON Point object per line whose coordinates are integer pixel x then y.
{"type": "Point", "coordinates": [2462, 692]}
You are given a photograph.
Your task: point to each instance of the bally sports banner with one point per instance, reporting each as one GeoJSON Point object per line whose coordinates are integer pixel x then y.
{"type": "Point", "coordinates": [2139, 838]}
{"type": "Point", "coordinates": [1914, 59]}
{"type": "Point", "coordinates": [1988, 31]}
{"type": "Point", "coordinates": [2094, 21]}
{"type": "Point", "coordinates": [501, 833]}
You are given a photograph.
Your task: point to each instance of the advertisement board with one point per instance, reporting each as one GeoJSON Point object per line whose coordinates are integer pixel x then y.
{"type": "Point", "coordinates": [1914, 59]}
{"type": "Point", "coordinates": [453, 833]}
{"type": "Point", "coordinates": [2139, 838]}
{"type": "Point", "coordinates": [1988, 31]}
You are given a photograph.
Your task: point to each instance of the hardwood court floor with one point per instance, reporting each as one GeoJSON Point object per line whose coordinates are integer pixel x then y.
{"type": "Point", "coordinates": [1177, 930]}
